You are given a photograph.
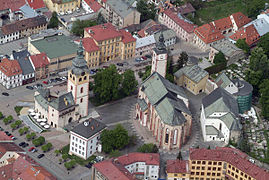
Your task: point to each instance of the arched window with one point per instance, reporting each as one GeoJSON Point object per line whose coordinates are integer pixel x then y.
{"type": "Point", "coordinates": [175, 137]}
{"type": "Point", "coordinates": [166, 135]}
{"type": "Point", "coordinates": [73, 78]}
{"type": "Point", "coordinates": [70, 75]}
{"type": "Point", "coordinates": [81, 90]}
{"type": "Point", "coordinates": [81, 100]}
{"type": "Point", "coordinates": [85, 77]}
{"type": "Point", "coordinates": [71, 87]}
{"type": "Point", "coordinates": [80, 79]}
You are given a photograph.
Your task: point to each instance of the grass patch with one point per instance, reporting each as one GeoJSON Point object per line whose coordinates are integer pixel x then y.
{"type": "Point", "coordinates": [115, 153]}
{"type": "Point", "coordinates": [18, 109]}
{"type": "Point", "coordinates": [65, 149]}
{"type": "Point", "coordinates": [36, 123]}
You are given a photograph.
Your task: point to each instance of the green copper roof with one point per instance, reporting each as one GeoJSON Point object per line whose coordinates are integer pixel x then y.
{"type": "Point", "coordinates": [211, 130]}
{"type": "Point", "coordinates": [223, 81]}
{"type": "Point", "coordinates": [42, 101]}
{"type": "Point", "coordinates": [56, 46]}
{"type": "Point", "coordinates": [143, 105]}
{"type": "Point", "coordinates": [193, 72]}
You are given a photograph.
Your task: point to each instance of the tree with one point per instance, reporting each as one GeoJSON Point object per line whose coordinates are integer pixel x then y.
{"type": "Point", "coordinates": [21, 131]}
{"type": "Point", "coordinates": [78, 26]}
{"type": "Point", "coordinates": [219, 58]}
{"type": "Point", "coordinates": [67, 165]}
{"type": "Point", "coordinates": [49, 145]}
{"type": "Point", "coordinates": [60, 161]}
{"type": "Point", "coordinates": [10, 117]}
{"type": "Point", "coordinates": [264, 43]}
{"type": "Point", "coordinates": [54, 21]}
{"type": "Point", "coordinates": [41, 139]}
{"type": "Point", "coordinates": [1, 115]}
{"type": "Point", "coordinates": [65, 157]}
{"type": "Point", "coordinates": [107, 144]}
{"type": "Point", "coordinates": [241, 43]}
{"type": "Point", "coordinates": [121, 137]}
{"type": "Point", "coordinates": [259, 61]}
{"type": "Point", "coordinates": [148, 148]}
{"type": "Point", "coordinates": [13, 126]}
{"type": "Point", "coordinates": [147, 73]}
{"type": "Point", "coordinates": [264, 100]}
{"type": "Point", "coordinates": [33, 135]}
{"type": "Point", "coordinates": [182, 59]}
{"type": "Point", "coordinates": [6, 121]}
{"type": "Point", "coordinates": [100, 19]}
{"type": "Point", "coordinates": [169, 77]}
{"type": "Point", "coordinates": [28, 137]}
{"type": "Point", "coordinates": [57, 152]}
{"type": "Point", "coordinates": [107, 84]}
{"type": "Point", "coordinates": [129, 82]}
{"type": "Point", "coordinates": [179, 156]}
{"type": "Point", "coordinates": [25, 129]}
{"type": "Point", "coordinates": [147, 10]}
{"type": "Point", "coordinates": [254, 7]}
{"type": "Point", "coordinates": [45, 148]}
{"type": "Point", "coordinates": [18, 123]}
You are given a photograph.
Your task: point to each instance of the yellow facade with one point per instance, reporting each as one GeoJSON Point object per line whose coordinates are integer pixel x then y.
{"type": "Point", "coordinates": [62, 6]}
{"type": "Point", "coordinates": [128, 50]}
{"type": "Point", "coordinates": [92, 58]}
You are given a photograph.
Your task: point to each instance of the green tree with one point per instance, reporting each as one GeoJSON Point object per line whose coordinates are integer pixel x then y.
{"type": "Point", "coordinates": [219, 58]}
{"type": "Point", "coordinates": [179, 156]}
{"type": "Point", "coordinates": [264, 43]}
{"type": "Point", "coordinates": [67, 165]}
{"type": "Point", "coordinates": [49, 145]}
{"type": "Point", "coordinates": [147, 10]}
{"type": "Point", "coordinates": [10, 117]}
{"type": "Point", "coordinates": [28, 137]}
{"type": "Point", "coordinates": [107, 144]}
{"type": "Point", "coordinates": [6, 121]}
{"type": "Point", "coordinates": [65, 157]}
{"type": "Point", "coordinates": [169, 77]}
{"type": "Point", "coordinates": [41, 139]}
{"type": "Point", "coordinates": [148, 148]}
{"type": "Point", "coordinates": [241, 43]}
{"type": "Point", "coordinates": [264, 100]}
{"type": "Point", "coordinates": [54, 22]}
{"type": "Point", "coordinates": [1, 115]}
{"type": "Point", "coordinates": [60, 161]}
{"type": "Point", "coordinates": [100, 19]}
{"type": "Point", "coordinates": [107, 84]}
{"type": "Point", "coordinates": [18, 123]}
{"type": "Point", "coordinates": [57, 152]}
{"type": "Point", "coordinates": [78, 26]}
{"type": "Point", "coordinates": [129, 82]}
{"type": "Point", "coordinates": [13, 126]}
{"type": "Point", "coordinates": [33, 135]}
{"type": "Point", "coordinates": [36, 142]}
{"type": "Point", "coordinates": [21, 131]}
{"type": "Point", "coordinates": [182, 59]}
{"type": "Point", "coordinates": [147, 73]}
{"type": "Point", "coordinates": [25, 129]}
{"type": "Point", "coordinates": [259, 61]}
{"type": "Point", "coordinates": [72, 163]}
{"type": "Point", "coordinates": [121, 137]}
{"type": "Point", "coordinates": [44, 148]}
{"type": "Point", "coordinates": [254, 78]}
{"type": "Point", "coordinates": [254, 7]}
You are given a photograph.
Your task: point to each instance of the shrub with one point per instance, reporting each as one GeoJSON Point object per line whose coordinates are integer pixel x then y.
{"type": "Point", "coordinates": [18, 109]}
{"type": "Point", "coordinates": [18, 123]}
{"type": "Point", "coordinates": [13, 126]}
{"type": "Point", "coordinates": [21, 131]}
{"type": "Point", "coordinates": [1, 115]}
{"type": "Point", "coordinates": [216, 68]}
{"type": "Point", "coordinates": [148, 148]}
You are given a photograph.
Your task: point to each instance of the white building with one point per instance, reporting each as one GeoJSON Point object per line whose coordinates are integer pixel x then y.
{"type": "Point", "coordinates": [144, 45]}
{"type": "Point", "coordinates": [169, 36]}
{"type": "Point", "coordinates": [85, 138]}
{"type": "Point", "coordinates": [10, 73]}
{"type": "Point", "coordinates": [90, 6]}
{"type": "Point", "coordinates": [219, 117]}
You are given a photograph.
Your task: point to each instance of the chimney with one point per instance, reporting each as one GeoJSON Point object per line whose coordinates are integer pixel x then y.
{"type": "Point", "coordinates": [92, 127]}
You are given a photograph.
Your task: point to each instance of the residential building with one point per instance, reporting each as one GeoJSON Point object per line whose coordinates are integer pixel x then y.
{"type": "Point", "coordinates": [10, 8]}
{"type": "Point", "coordinates": [9, 150]}
{"type": "Point", "coordinates": [214, 31]}
{"type": "Point", "coordinates": [37, 5]}
{"type": "Point", "coordinates": [85, 138]}
{"type": "Point", "coordinates": [104, 42]}
{"type": "Point", "coordinates": [120, 13]}
{"type": "Point", "coordinates": [60, 50]}
{"type": "Point", "coordinates": [40, 64]}
{"type": "Point", "coordinates": [169, 36]}
{"type": "Point", "coordinates": [22, 28]}
{"type": "Point", "coordinates": [192, 77]}
{"type": "Point", "coordinates": [144, 45]}
{"type": "Point", "coordinates": [10, 73]}
{"type": "Point", "coordinates": [90, 6]}
{"type": "Point", "coordinates": [62, 6]}
{"type": "Point", "coordinates": [186, 9]}
{"type": "Point", "coordinates": [219, 163]}
{"type": "Point", "coordinates": [183, 28]}
{"type": "Point", "coordinates": [240, 89]}
{"type": "Point", "coordinates": [162, 107]}
{"type": "Point", "coordinates": [219, 117]}
{"type": "Point", "coordinates": [159, 57]}
{"type": "Point", "coordinates": [28, 73]}
{"type": "Point", "coordinates": [151, 28]}
{"type": "Point", "coordinates": [231, 52]}
{"type": "Point", "coordinates": [130, 166]}
{"type": "Point", "coordinates": [61, 106]}
{"type": "Point", "coordinates": [135, 28]}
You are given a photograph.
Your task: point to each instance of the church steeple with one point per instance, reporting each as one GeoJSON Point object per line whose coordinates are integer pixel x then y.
{"type": "Point", "coordinates": [79, 64]}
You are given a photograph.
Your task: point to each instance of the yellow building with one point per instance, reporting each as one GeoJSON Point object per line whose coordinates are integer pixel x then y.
{"type": "Point", "coordinates": [216, 164]}
{"type": "Point", "coordinates": [104, 42]}
{"type": "Point", "coordinates": [192, 77]}
{"type": "Point", "coordinates": [62, 6]}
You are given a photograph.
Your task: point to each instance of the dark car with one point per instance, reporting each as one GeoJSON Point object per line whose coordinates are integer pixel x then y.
{"type": "Point", "coordinates": [25, 145]}
{"type": "Point", "coordinates": [6, 132]}
{"type": "Point", "coordinates": [29, 87]}
{"type": "Point", "coordinates": [144, 58]}
{"type": "Point", "coordinates": [89, 165]}
{"type": "Point", "coordinates": [9, 134]}
{"type": "Point", "coordinates": [1, 129]}
{"type": "Point", "coordinates": [119, 64]}
{"type": "Point", "coordinates": [39, 85]}
{"type": "Point", "coordinates": [58, 79]}
{"type": "Point", "coordinates": [40, 156]}
{"type": "Point", "coordinates": [92, 71]}
{"type": "Point", "coordinates": [148, 56]}
{"type": "Point", "coordinates": [5, 94]}
{"type": "Point", "coordinates": [22, 143]}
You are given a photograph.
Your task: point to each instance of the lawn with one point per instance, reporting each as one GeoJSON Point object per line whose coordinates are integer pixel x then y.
{"type": "Point", "coordinates": [218, 9]}
{"type": "Point", "coordinates": [18, 109]}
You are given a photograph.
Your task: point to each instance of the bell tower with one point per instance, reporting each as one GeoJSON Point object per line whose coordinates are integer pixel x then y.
{"type": "Point", "coordinates": [78, 82]}
{"type": "Point", "coordinates": [159, 57]}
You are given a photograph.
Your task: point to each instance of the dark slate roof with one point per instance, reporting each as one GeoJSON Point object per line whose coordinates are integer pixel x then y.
{"type": "Point", "coordinates": [23, 58]}
{"type": "Point", "coordinates": [244, 88]}
{"type": "Point", "coordinates": [88, 128]}
{"type": "Point", "coordinates": [79, 65]}
{"type": "Point", "coordinates": [63, 102]}
{"type": "Point", "coordinates": [160, 46]}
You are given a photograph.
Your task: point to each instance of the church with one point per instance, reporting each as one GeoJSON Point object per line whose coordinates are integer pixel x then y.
{"type": "Point", "coordinates": [61, 105]}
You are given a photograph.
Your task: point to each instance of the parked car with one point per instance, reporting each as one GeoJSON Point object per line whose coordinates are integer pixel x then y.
{"type": "Point", "coordinates": [13, 138]}
{"type": "Point", "coordinates": [144, 58]}
{"type": "Point", "coordinates": [63, 78]}
{"type": "Point", "coordinates": [148, 56]}
{"type": "Point", "coordinates": [25, 145]}
{"type": "Point", "coordinates": [31, 148]}
{"type": "Point", "coordinates": [5, 94]}
{"type": "Point", "coordinates": [92, 71]}
{"type": "Point", "coordinates": [119, 64]}
{"type": "Point", "coordinates": [22, 143]}
{"type": "Point", "coordinates": [99, 158]}
{"type": "Point", "coordinates": [29, 87]}
{"type": "Point", "coordinates": [34, 150]}
{"type": "Point", "coordinates": [45, 82]}
{"type": "Point", "coordinates": [58, 79]}
{"type": "Point", "coordinates": [6, 132]}
{"type": "Point", "coordinates": [89, 165]}
{"type": "Point", "coordinates": [9, 134]}
{"type": "Point", "coordinates": [40, 156]}
{"type": "Point", "coordinates": [138, 59]}
{"type": "Point", "coordinates": [1, 129]}
{"type": "Point", "coordinates": [125, 63]}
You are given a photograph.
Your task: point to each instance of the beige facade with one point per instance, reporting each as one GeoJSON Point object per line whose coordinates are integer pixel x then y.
{"type": "Point", "coordinates": [61, 63]}
{"type": "Point", "coordinates": [92, 58]}
{"type": "Point", "coordinates": [127, 50]}
{"type": "Point", "coordinates": [30, 31]}
{"type": "Point", "coordinates": [63, 6]}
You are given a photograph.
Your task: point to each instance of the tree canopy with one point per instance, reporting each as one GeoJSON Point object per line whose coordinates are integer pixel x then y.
{"type": "Point", "coordinates": [54, 22]}
{"type": "Point", "coordinates": [264, 100]}
{"type": "Point", "coordinates": [129, 82]}
{"type": "Point", "coordinates": [264, 43]}
{"type": "Point", "coordinates": [182, 59]}
{"type": "Point", "coordinates": [148, 148]}
{"type": "Point", "coordinates": [241, 43]}
{"type": "Point", "coordinates": [147, 10]}
{"type": "Point", "coordinates": [254, 7]}
{"type": "Point", "coordinates": [259, 61]}
{"type": "Point", "coordinates": [78, 26]}
{"type": "Point", "coordinates": [219, 58]}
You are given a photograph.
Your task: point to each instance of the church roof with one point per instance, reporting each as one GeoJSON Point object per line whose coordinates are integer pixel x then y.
{"type": "Point", "coordinates": [79, 65]}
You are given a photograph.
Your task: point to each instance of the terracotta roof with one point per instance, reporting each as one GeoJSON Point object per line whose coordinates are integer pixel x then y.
{"type": "Point", "coordinates": [24, 24]}
{"type": "Point", "coordinates": [176, 166]}
{"type": "Point", "coordinates": [265, 12]}
{"type": "Point", "coordinates": [113, 170]}
{"type": "Point", "coordinates": [222, 24]}
{"type": "Point", "coordinates": [10, 67]}
{"type": "Point", "coordinates": [188, 27]}
{"type": "Point", "coordinates": [208, 33]}
{"type": "Point", "coordinates": [103, 32]}
{"type": "Point", "coordinates": [141, 33]}
{"type": "Point", "coordinates": [148, 158]}
{"type": "Point", "coordinates": [127, 37]}
{"type": "Point", "coordinates": [9, 146]}
{"type": "Point", "coordinates": [231, 156]}
{"type": "Point", "coordinates": [36, 4]}
{"type": "Point", "coordinates": [249, 33]}
{"type": "Point", "coordinates": [11, 4]}
{"type": "Point", "coordinates": [4, 137]}
{"type": "Point", "coordinates": [186, 9]}
{"type": "Point", "coordinates": [240, 19]}
{"type": "Point", "coordinates": [95, 6]}
{"type": "Point", "coordinates": [6, 172]}
{"type": "Point", "coordinates": [88, 44]}
{"type": "Point", "coordinates": [39, 60]}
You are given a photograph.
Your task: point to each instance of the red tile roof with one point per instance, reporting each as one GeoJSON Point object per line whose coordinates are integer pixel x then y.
{"type": "Point", "coordinates": [188, 27]}
{"type": "Point", "coordinates": [10, 67]}
{"type": "Point", "coordinates": [222, 24]}
{"type": "Point", "coordinates": [177, 166]}
{"type": "Point", "coordinates": [127, 37]}
{"type": "Point", "coordinates": [113, 170]}
{"type": "Point", "coordinates": [36, 4]}
{"type": "Point", "coordinates": [9, 146]}
{"type": "Point", "coordinates": [103, 32]}
{"type": "Point", "coordinates": [4, 137]}
{"type": "Point", "coordinates": [11, 4]}
{"type": "Point", "coordinates": [208, 33]}
{"type": "Point", "coordinates": [249, 33]}
{"type": "Point", "coordinates": [186, 9]}
{"type": "Point", "coordinates": [148, 158]}
{"type": "Point", "coordinates": [240, 19]}
{"type": "Point", "coordinates": [89, 45]}
{"type": "Point", "coordinates": [39, 60]}
{"type": "Point", "coordinates": [231, 156]}
{"type": "Point", "coordinates": [95, 6]}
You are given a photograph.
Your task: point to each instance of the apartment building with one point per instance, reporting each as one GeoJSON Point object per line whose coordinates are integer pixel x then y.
{"type": "Point", "coordinates": [62, 6]}
{"type": "Point", "coordinates": [220, 163]}
{"type": "Point", "coordinates": [120, 13]}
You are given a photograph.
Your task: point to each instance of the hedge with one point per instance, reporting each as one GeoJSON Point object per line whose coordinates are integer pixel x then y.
{"type": "Point", "coordinates": [216, 68]}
